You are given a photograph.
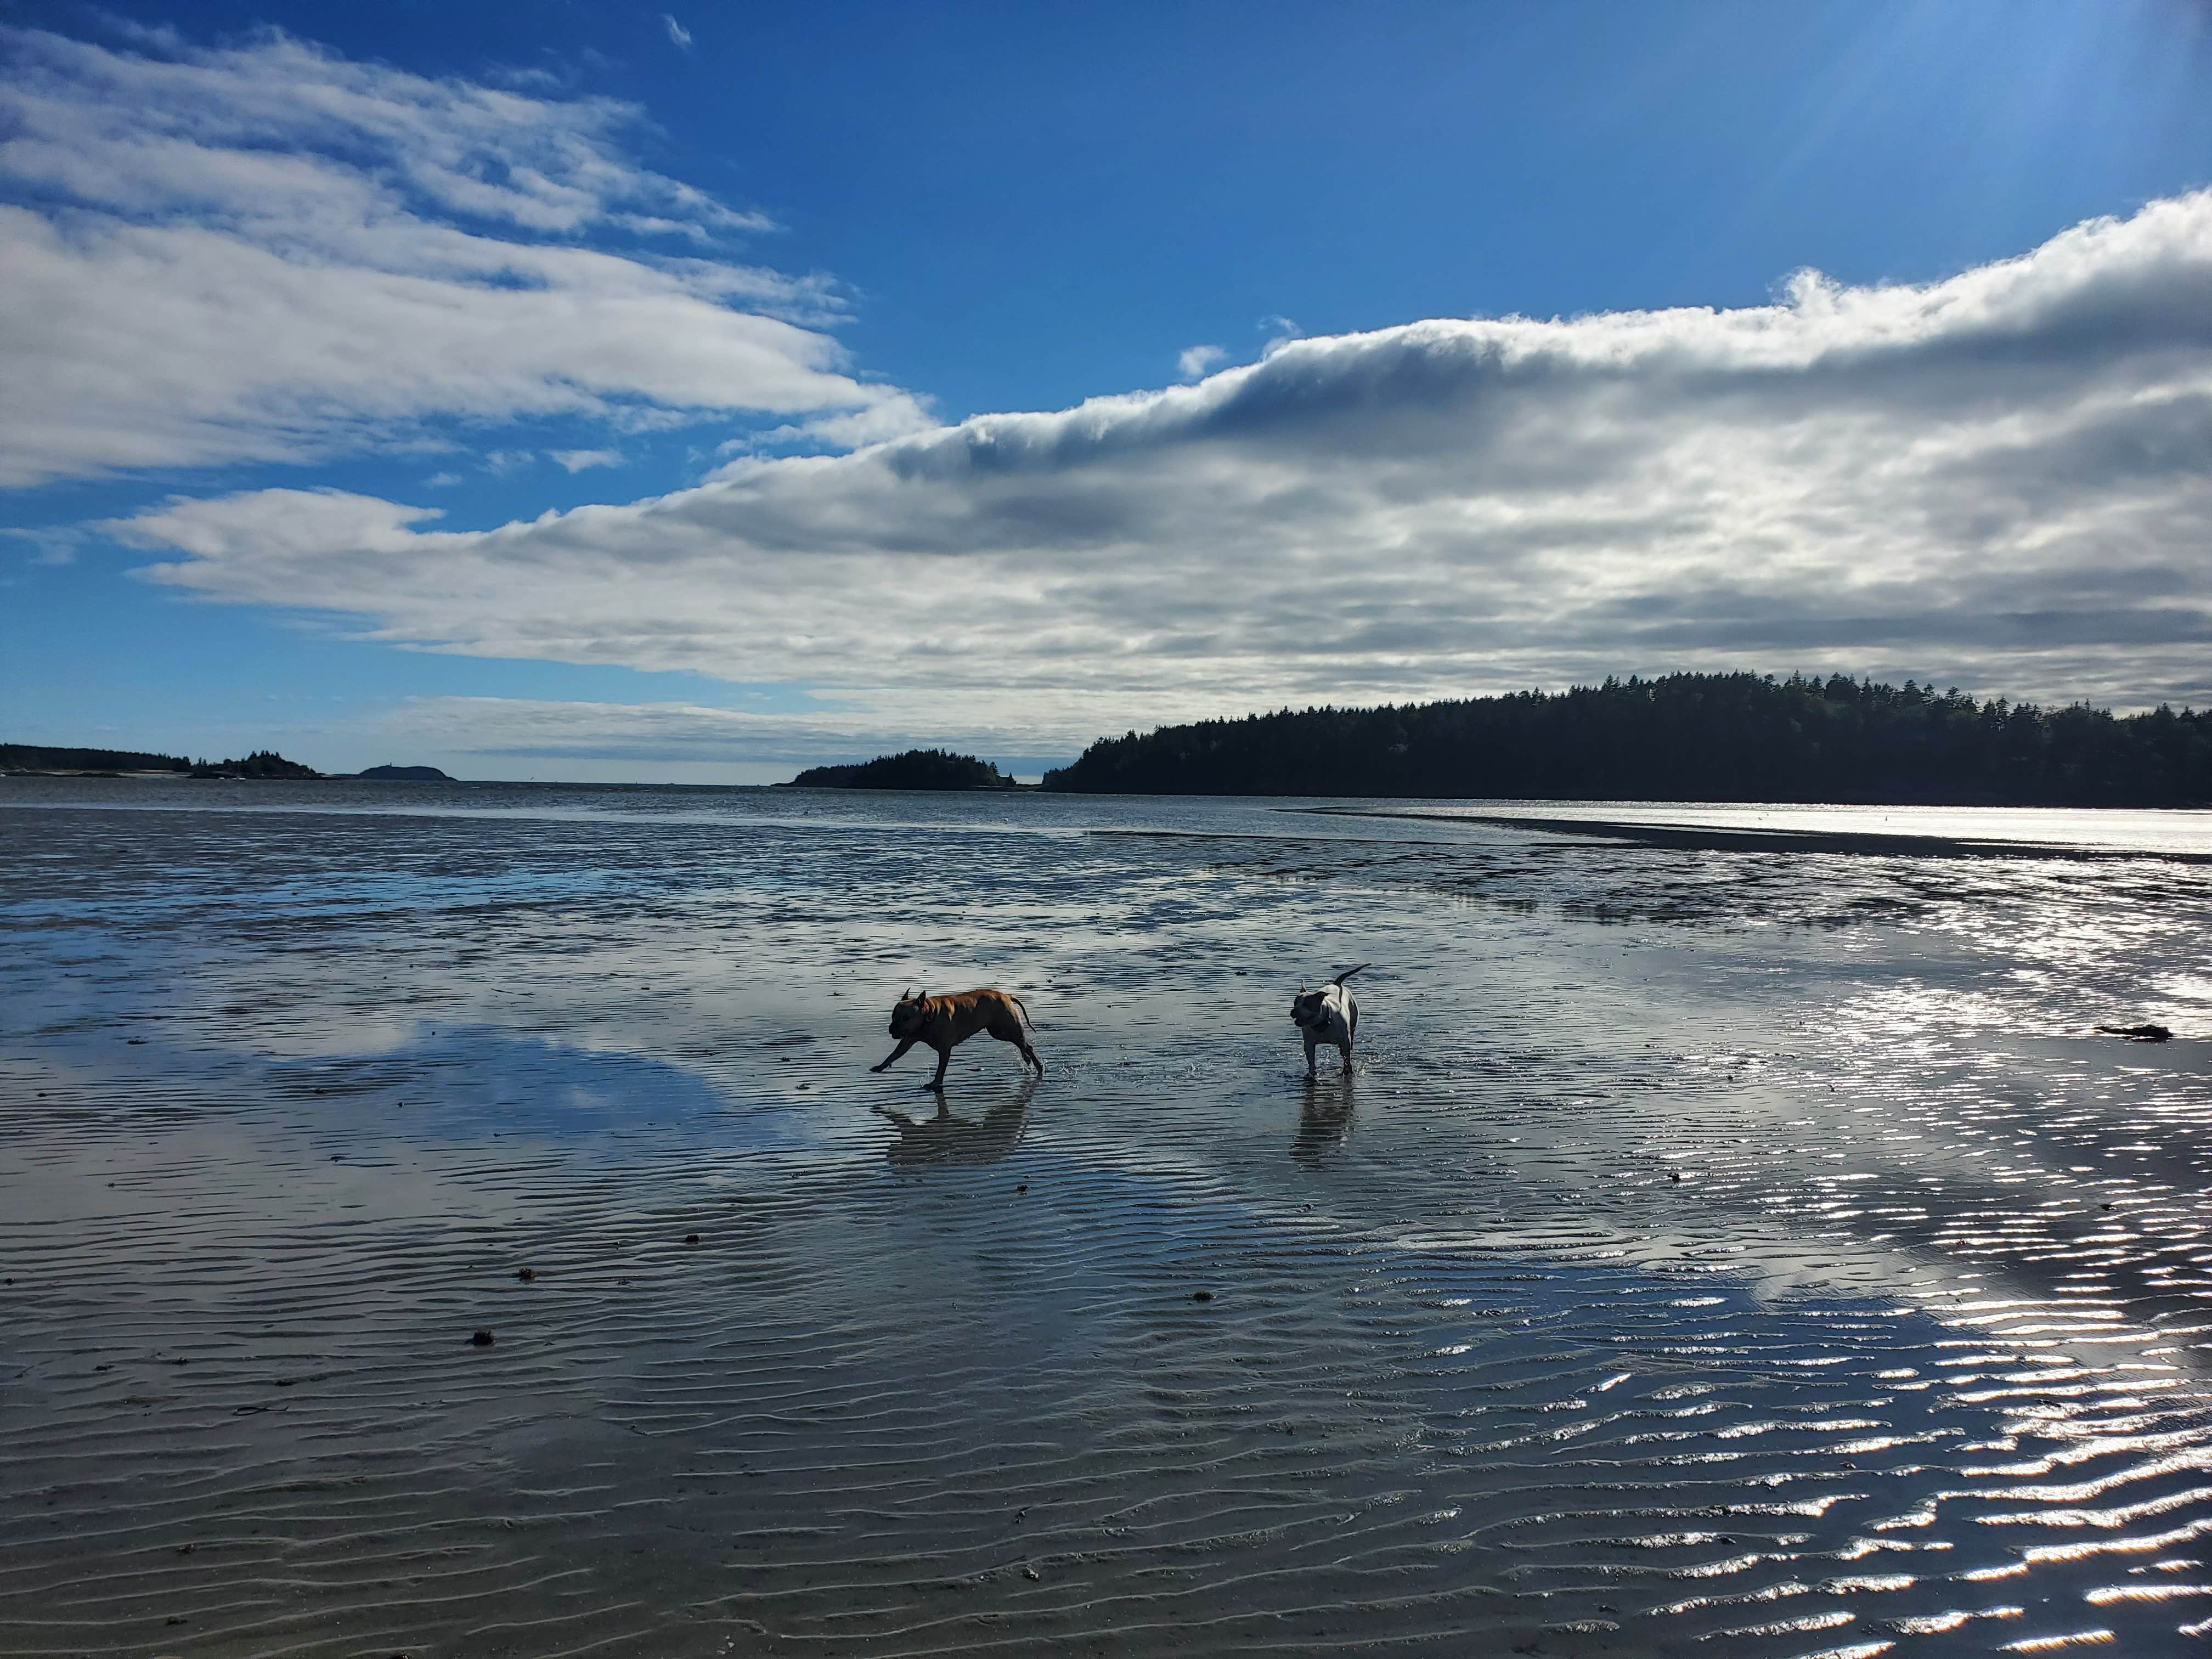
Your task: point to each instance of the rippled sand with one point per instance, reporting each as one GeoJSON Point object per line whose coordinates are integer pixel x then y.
{"type": "Point", "coordinates": [1713, 1252]}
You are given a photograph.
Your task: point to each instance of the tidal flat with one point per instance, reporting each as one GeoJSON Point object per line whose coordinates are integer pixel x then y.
{"type": "Point", "coordinates": [1714, 1250]}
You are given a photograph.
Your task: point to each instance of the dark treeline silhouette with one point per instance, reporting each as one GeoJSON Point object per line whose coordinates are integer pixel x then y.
{"type": "Point", "coordinates": [261, 763]}
{"type": "Point", "coordinates": [917, 769]}
{"type": "Point", "coordinates": [1685, 737]}
{"type": "Point", "coordinates": [37, 757]}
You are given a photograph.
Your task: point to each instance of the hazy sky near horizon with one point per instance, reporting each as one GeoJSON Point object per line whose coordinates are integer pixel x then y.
{"type": "Point", "coordinates": [597, 390]}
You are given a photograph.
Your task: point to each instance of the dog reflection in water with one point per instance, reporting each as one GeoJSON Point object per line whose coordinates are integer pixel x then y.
{"type": "Point", "coordinates": [945, 1139]}
{"type": "Point", "coordinates": [1324, 1118]}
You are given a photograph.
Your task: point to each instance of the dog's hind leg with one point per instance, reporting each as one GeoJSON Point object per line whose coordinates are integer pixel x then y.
{"type": "Point", "coordinates": [1011, 1031]}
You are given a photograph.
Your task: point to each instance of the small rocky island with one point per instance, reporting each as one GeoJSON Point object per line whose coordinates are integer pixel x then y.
{"type": "Point", "coordinates": [917, 769]}
{"type": "Point", "coordinates": [404, 775]}
{"type": "Point", "coordinates": [261, 763]}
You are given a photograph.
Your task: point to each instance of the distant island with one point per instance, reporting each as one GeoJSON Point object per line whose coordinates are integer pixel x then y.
{"type": "Point", "coordinates": [261, 763]}
{"type": "Point", "coordinates": [917, 769]}
{"type": "Point", "coordinates": [1685, 738]}
{"type": "Point", "coordinates": [404, 775]}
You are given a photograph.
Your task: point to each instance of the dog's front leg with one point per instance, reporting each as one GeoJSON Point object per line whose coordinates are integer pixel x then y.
{"type": "Point", "coordinates": [1310, 1053]}
{"type": "Point", "coordinates": [895, 1053]}
{"type": "Point", "coordinates": [943, 1058]}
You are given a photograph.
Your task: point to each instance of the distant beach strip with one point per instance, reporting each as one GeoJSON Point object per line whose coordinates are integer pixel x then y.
{"type": "Point", "coordinates": [2077, 834]}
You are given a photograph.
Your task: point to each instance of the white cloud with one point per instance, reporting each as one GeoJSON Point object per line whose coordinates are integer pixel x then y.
{"type": "Point", "coordinates": [898, 415]}
{"type": "Point", "coordinates": [2003, 480]}
{"type": "Point", "coordinates": [50, 545]}
{"type": "Point", "coordinates": [678, 35]}
{"type": "Point", "coordinates": [575, 460]}
{"type": "Point", "coordinates": [1195, 360]}
{"type": "Point", "coordinates": [268, 253]}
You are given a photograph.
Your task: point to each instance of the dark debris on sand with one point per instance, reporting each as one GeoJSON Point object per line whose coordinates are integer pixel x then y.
{"type": "Point", "coordinates": [2145, 1032]}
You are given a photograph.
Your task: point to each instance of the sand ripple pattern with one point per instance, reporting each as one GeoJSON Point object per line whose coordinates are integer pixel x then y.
{"type": "Point", "coordinates": [1712, 1253]}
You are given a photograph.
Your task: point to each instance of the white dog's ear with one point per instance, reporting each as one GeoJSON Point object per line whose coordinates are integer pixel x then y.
{"type": "Point", "coordinates": [1302, 988]}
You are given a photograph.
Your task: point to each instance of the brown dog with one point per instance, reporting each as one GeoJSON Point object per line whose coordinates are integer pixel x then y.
{"type": "Point", "coordinates": [945, 1022]}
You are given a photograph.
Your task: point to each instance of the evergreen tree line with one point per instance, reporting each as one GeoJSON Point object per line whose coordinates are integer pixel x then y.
{"type": "Point", "coordinates": [261, 763]}
{"type": "Point", "coordinates": [40, 758]}
{"type": "Point", "coordinates": [31, 757]}
{"type": "Point", "coordinates": [1683, 737]}
{"type": "Point", "coordinates": [917, 769]}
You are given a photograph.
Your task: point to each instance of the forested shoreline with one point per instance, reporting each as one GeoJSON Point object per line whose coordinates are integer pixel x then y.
{"type": "Point", "coordinates": [917, 769]}
{"type": "Point", "coordinates": [40, 757]}
{"type": "Point", "coordinates": [1682, 737]}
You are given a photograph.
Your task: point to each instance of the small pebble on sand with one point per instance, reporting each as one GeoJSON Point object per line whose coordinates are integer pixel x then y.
{"type": "Point", "coordinates": [482, 1339]}
{"type": "Point", "coordinates": [1201, 1296]}
{"type": "Point", "coordinates": [690, 1238]}
{"type": "Point", "coordinates": [526, 1274]}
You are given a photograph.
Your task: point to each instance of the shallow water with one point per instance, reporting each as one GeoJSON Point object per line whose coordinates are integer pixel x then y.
{"type": "Point", "coordinates": [1711, 1252]}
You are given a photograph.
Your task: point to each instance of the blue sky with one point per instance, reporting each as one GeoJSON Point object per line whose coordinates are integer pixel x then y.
{"type": "Point", "coordinates": [719, 289]}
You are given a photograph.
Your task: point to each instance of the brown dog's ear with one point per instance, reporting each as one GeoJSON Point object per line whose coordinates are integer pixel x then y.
{"type": "Point", "coordinates": [906, 996]}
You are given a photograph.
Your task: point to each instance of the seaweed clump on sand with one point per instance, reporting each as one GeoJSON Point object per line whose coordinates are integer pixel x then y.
{"type": "Point", "coordinates": [2145, 1032]}
{"type": "Point", "coordinates": [917, 769]}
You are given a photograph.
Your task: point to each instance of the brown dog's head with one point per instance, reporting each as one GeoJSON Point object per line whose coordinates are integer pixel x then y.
{"type": "Point", "coordinates": [1305, 1007]}
{"type": "Point", "coordinates": [908, 1014]}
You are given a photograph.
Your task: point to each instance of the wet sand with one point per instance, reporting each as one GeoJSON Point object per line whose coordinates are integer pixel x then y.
{"type": "Point", "coordinates": [2182, 836]}
{"type": "Point", "coordinates": [1713, 1251]}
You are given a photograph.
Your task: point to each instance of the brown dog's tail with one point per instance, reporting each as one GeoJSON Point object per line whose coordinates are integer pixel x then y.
{"type": "Point", "coordinates": [1025, 1007]}
{"type": "Point", "coordinates": [1349, 972]}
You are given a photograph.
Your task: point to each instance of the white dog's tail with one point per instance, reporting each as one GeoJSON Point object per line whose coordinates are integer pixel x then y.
{"type": "Point", "coordinates": [1349, 972]}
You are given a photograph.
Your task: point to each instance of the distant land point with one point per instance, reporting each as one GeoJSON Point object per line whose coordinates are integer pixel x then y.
{"type": "Point", "coordinates": [43, 760]}
{"type": "Point", "coordinates": [917, 769]}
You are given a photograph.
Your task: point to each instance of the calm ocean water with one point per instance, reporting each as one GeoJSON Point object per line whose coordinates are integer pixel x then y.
{"type": "Point", "coordinates": [1713, 1251]}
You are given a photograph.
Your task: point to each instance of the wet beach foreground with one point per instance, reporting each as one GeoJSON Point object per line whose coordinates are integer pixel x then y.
{"type": "Point", "coordinates": [1714, 1249]}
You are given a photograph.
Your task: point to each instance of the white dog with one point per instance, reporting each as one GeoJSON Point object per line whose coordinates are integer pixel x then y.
{"type": "Point", "coordinates": [1329, 1015]}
